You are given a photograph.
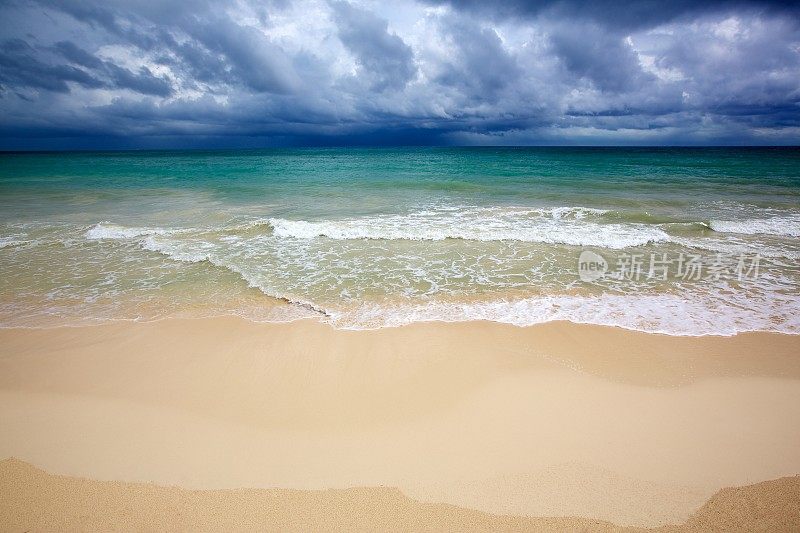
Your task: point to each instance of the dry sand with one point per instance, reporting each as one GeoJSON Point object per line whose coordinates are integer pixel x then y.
{"type": "Point", "coordinates": [555, 420]}
{"type": "Point", "coordinates": [31, 499]}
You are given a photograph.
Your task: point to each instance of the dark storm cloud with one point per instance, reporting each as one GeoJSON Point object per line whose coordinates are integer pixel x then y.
{"type": "Point", "coordinates": [21, 68]}
{"type": "Point", "coordinates": [77, 55]}
{"type": "Point", "coordinates": [626, 14]}
{"type": "Point", "coordinates": [213, 47]}
{"type": "Point", "coordinates": [605, 59]}
{"type": "Point", "coordinates": [257, 62]}
{"type": "Point", "coordinates": [479, 64]}
{"type": "Point", "coordinates": [143, 81]}
{"type": "Point", "coordinates": [118, 73]}
{"type": "Point", "coordinates": [387, 60]}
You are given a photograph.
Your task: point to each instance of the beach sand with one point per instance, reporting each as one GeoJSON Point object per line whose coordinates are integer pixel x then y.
{"type": "Point", "coordinates": [457, 426]}
{"type": "Point", "coordinates": [31, 499]}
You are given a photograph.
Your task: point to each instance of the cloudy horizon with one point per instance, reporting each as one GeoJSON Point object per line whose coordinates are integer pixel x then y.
{"type": "Point", "coordinates": [201, 74]}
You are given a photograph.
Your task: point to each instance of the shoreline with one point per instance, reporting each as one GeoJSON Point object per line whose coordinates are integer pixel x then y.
{"type": "Point", "coordinates": [557, 419]}
{"type": "Point", "coordinates": [322, 319]}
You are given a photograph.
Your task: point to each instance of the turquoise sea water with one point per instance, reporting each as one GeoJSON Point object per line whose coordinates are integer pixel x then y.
{"type": "Point", "coordinates": [696, 241]}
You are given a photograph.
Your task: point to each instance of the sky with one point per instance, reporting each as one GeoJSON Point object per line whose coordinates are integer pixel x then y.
{"type": "Point", "coordinates": [118, 74]}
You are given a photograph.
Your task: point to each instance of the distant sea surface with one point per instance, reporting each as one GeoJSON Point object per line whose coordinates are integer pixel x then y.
{"type": "Point", "coordinates": [683, 241]}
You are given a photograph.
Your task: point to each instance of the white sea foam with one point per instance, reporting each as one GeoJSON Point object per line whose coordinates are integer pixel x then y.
{"type": "Point", "coordinates": [287, 260]}
{"type": "Point", "coordinates": [107, 230]}
{"type": "Point", "coordinates": [657, 313]}
{"type": "Point", "coordinates": [577, 226]}
{"type": "Point", "coordinates": [571, 212]}
{"type": "Point", "coordinates": [196, 252]}
{"type": "Point", "coordinates": [788, 226]}
{"type": "Point", "coordinates": [7, 242]}
{"type": "Point", "coordinates": [564, 225]}
{"type": "Point", "coordinates": [732, 246]}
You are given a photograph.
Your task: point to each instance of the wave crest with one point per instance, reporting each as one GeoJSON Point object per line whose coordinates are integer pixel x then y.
{"type": "Point", "coordinates": [575, 226]}
{"type": "Point", "coordinates": [108, 230]}
{"type": "Point", "coordinates": [788, 226]}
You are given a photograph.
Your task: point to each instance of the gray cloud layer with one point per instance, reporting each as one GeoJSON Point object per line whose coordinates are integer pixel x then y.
{"type": "Point", "coordinates": [116, 73]}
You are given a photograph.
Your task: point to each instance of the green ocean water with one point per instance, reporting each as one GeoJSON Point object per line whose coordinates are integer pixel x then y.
{"type": "Point", "coordinates": [695, 241]}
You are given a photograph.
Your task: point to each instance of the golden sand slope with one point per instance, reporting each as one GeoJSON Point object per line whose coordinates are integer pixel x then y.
{"type": "Point", "coordinates": [32, 500]}
{"type": "Point", "coordinates": [766, 506]}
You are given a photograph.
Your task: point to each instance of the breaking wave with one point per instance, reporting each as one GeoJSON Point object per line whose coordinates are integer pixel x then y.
{"type": "Point", "coordinates": [107, 230]}
{"type": "Point", "coordinates": [788, 226]}
{"type": "Point", "coordinates": [577, 226]}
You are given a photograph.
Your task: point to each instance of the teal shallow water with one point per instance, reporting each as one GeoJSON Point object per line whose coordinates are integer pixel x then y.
{"type": "Point", "coordinates": [696, 241]}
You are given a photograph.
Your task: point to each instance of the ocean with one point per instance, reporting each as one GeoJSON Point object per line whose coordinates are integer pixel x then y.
{"type": "Point", "coordinates": [681, 241]}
